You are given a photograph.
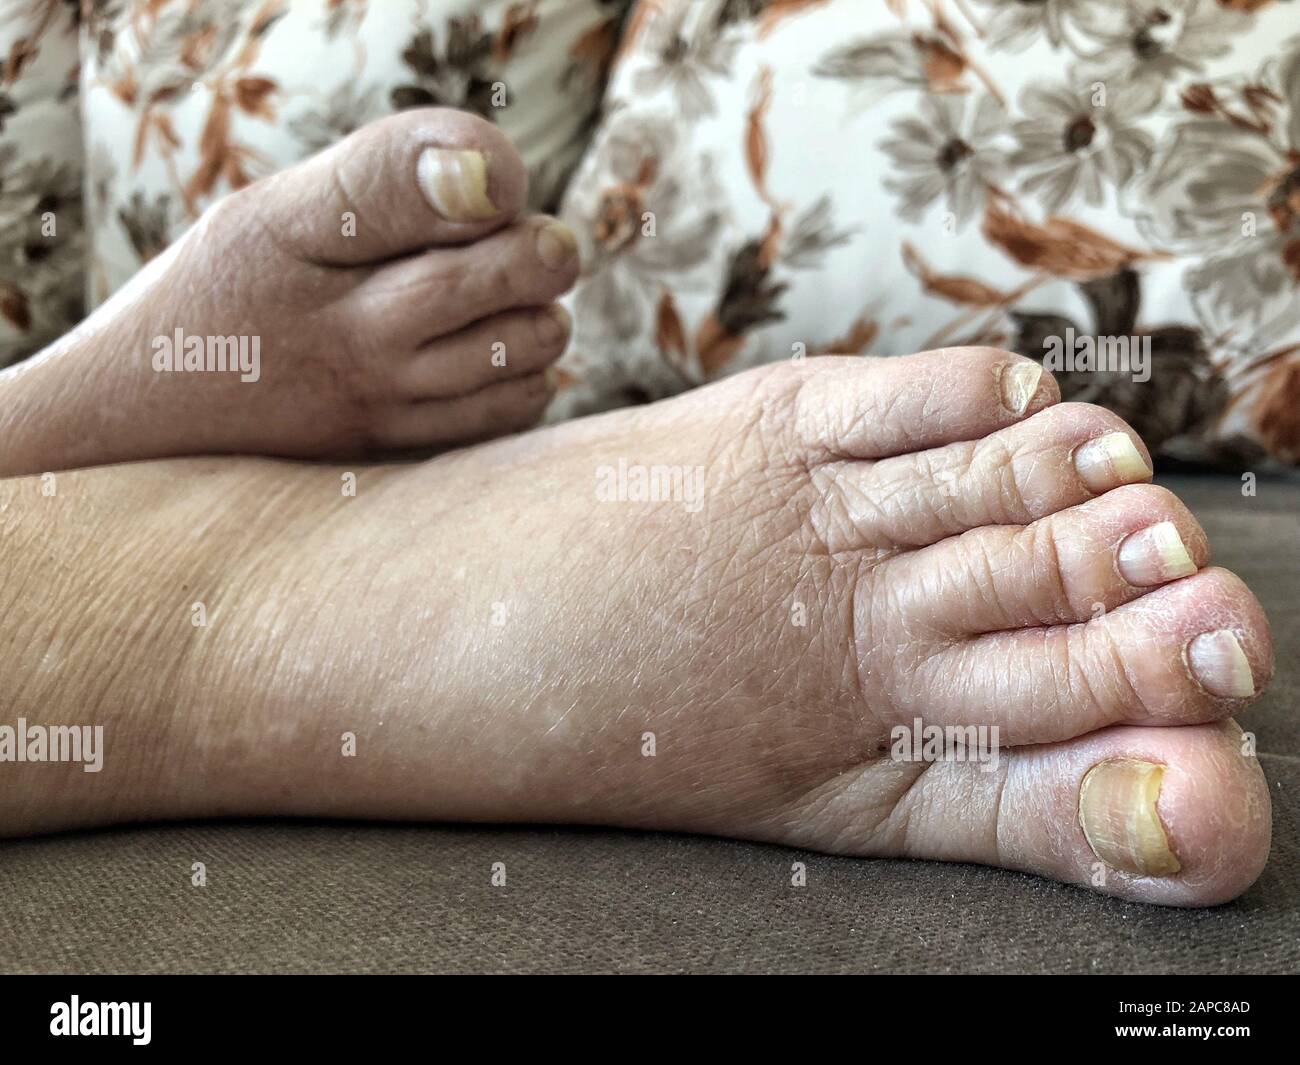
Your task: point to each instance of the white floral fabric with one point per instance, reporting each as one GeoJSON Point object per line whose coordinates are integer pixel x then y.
{"type": "Point", "coordinates": [42, 239]}
{"type": "Point", "coordinates": [781, 178]}
{"type": "Point", "coordinates": [759, 179]}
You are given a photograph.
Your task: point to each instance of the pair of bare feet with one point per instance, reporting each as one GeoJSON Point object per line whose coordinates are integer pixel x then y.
{"type": "Point", "coordinates": [745, 611]}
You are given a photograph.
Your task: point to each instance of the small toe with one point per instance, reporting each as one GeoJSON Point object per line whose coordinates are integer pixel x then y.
{"type": "Point", "coordinates": [1062, 456]}
{"type": "Point", "coordinates": [1193, 651]}
{"type": "Point", "coordinates": [529, 264]}
{"type": "Point", "coordinates": [513, 343]}
{"type": "Point", "coordinates": [496, 409]}
{"type": "Point", "coordinates": [1070, 566]}
{"type": "Point", "coordinates": [864, 408]}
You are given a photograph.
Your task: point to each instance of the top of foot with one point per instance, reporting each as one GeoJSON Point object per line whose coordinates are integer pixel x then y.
{"type": "Point", "coordinates": [792, 579]}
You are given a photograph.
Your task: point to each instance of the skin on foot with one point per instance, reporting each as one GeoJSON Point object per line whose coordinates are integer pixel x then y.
{"type": "Point", "coordinates": [381, 296]}
{"type": "Point", "coordinates": [515, 632]}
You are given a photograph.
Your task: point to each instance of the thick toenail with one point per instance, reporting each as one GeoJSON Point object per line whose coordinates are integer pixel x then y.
{"type": "Point", "coordinates": [556, 245]}
{"type": "Point", "coordinates": [1220, 665]}
{"type": "Point", "coordinates": [1110, 461]}
{"type": "Point", "coordinates": [1019, 383]}
{"type": "Point", "coordinates": [1155, 555]}
{"type": "Point", "coordinates": [455, 183]}
{"type": "Point", "coordinates": [1117, 810]}
{"type": "Point", "coordinates": [553, 326]}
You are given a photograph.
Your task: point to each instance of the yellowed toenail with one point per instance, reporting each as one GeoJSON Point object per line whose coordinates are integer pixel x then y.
{"type": "Point", "coordinates": [556, 245]}
{"type": "Point", "coordinates": [1117, 811]}
{"type": "Point", "coordinates": [1019, 381]}
{"type": "Point", "coordinates": [1220, 665]}
{"type": "Point", "coordinates": [1155, 555]}
{"type": "Point", "coordinates": [455, 183]}
{"type": "Point", "coordinates": [1110, 461]}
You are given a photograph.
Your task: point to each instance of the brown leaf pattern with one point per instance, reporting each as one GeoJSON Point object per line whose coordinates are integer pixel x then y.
{"type": "Point", "coordinates": [42, 233]}
{"type": "Point", "coordinates": [919, 173]}
{"type": "Point", "coordinates": [770, 177]}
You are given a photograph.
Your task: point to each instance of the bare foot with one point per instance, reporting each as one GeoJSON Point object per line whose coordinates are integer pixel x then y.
{"type": "Point", "coordinates": [380, 296]}
{"type": "Point", "coordinates": [513, 632]}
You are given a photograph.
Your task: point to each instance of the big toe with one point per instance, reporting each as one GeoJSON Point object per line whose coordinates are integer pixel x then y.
{"type": "Point", "coordinates": [1175, 816]}
{"type": "Point", "coordinates": [406, 182]}
{"type": "Point", "coordinates": [1179, 816]}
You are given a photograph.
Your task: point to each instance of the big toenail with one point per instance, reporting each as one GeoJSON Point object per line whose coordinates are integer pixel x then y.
{"type": "Point", "coordinates": [556, 245]}
{"type": "Point", "coordinates": [1019, 383]}
{"type": "Point", "coordinates": [553, 326]}
{"type": "Point", "coordinates": [1110, 461]}
{"type": "Point", "coordinates": [1155, 555]}
{"type": "Point", "coordinates": [1220, 665]}
{"type": "Point", "coordinates": [1117, 810]}
{"type": "Point", "coordinates": [455, 183]}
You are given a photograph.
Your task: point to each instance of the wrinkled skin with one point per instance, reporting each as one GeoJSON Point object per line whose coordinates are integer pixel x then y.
{"type": "Point", "coordinates": [878, 541]}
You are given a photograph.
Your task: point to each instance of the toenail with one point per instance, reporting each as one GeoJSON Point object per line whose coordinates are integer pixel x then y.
{"type": "Point", "coordinates": [1220, 666]}
{"type": "Point", "coordinates": [1155, 555]}
{"type": "Point", "coordinates": [556, 245]}
{"type": "Point", "coordinates": [1019, 381]}
{"type": "Point", "coordinates": [1110, 461]}
{"type": "Point", "coordinates": [1117, 810]}
{"type": "Point", "coordinates": [455, 183]}
{"type": "Point", "coordinates": [553, 326]}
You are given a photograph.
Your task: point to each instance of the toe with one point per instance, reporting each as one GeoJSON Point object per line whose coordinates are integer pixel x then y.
{"type": "Point", "coordinates": [414, 300]}
{"type": "Point", "coordinates": [494, 410]}
{"type": "Point", "coordinates": [873, 408]}
{"type": "Point", "coordinates": [511, 344]}
{"type": "Point", "coordinates": [1193, 651]}
{"type": "Point", "coordinates": [1173, 816]}
{"type": "Point", "coordinates": [408, 181]}
{"type": "Point", "coordinates": [1067, 567]}
{"type": "Point", "coordinates": [1063, 456]}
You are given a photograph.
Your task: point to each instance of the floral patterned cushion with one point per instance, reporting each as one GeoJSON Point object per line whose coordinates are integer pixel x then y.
{"type": "Point", "coordinates": [185, 100]}
{"type": "Point", "coordinates": [1110, 185]}
{"type": "Point", "coordinates": [42, 246]}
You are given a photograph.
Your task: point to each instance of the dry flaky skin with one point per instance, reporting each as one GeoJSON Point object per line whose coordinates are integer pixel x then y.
{"type": "Point", "coordinates": [876, 542]}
